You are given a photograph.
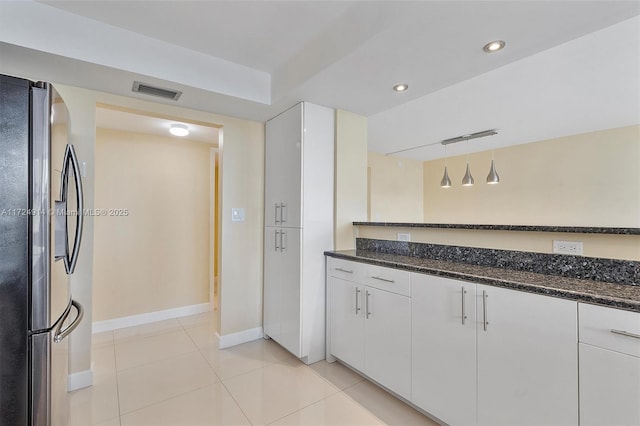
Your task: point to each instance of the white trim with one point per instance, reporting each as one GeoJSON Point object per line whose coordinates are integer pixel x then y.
{"type": "Point", "coordinates": [122, 322]}
{"type": "Point", "coordinates": [79, 380]}
{"type": "Point", "coordinates": [238, 338]}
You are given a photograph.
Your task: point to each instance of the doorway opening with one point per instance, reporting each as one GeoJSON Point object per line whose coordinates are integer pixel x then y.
{"type": "Point", "coordinates": [156, 246]}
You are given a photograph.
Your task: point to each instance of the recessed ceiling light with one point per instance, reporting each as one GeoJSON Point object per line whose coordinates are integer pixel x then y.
{"type": "Point", "coordinates": [494, 46]}
{"type": "Point", "coordinates": [401, 87]}
{"type": "Point", "coordinates": [178, 130]}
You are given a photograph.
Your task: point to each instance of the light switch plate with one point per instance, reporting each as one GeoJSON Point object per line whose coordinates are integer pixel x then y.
{"type": "Point", "coordinates": [237, 214]}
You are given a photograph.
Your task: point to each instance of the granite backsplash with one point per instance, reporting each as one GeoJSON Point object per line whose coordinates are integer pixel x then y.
{"type": "Point", "coordinates": [580, 267]}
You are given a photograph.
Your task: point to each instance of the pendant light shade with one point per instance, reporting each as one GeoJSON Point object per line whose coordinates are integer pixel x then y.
{"type": "Point", "coordinates": [445, 182]}
{"type": "Point", "coordinates": [467, 180]}
{"type": "Point", "coordinates": [492, 177]}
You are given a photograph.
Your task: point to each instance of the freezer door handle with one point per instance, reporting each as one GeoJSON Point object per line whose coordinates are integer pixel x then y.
{"type": "Point", "coordinates": [61, 334]}
{"type": "Point", "coordinates": [61, 231]}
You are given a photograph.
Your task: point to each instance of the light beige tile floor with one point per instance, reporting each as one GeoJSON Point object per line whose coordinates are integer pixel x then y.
{"type": "Point", "coordinates": [171, 373]}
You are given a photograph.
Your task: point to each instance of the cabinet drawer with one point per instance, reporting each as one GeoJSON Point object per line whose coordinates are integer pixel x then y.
{"type": "Point", "coordinates": [609, 328]}
{"type": "Point", "coordinates": [393, 280]}
{"type": "Point", "coordinates": [345, 269]}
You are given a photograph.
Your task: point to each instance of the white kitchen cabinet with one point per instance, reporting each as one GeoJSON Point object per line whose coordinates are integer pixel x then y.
{"type": "Point", "coordinates": [609, 366]}
{"type": "Point", "coordinates": [298, 227]}
{"type": "Point", "coordinates": [474, 354]}
{"type": "Point", "coordinates": [283, 168]}
{"type": "Point", "coordinates": [347, 322]}
{"type": "Point", "coordinates": [444, 348]}
{"type": "Point", "coordinates": [387, 336]}
{"type": "Point", "coordinates": [609, 387]}
{"type": "Point", "coordinates": [527, 358]}
{"type": "Point", "coordinates": [370, 327]}
{"type": "Point", "coordinates": [281, 289]}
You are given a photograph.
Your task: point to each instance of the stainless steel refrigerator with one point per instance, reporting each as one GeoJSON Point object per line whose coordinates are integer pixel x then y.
{"type": "Point", "coordinates": [37, 312]}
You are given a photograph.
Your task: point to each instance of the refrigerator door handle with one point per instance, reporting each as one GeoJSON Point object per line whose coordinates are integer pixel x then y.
{"type": "Point", "coordinates": [60, 333]}
{"type": "Point", "coordinates": [61, 232]}
{"type": "Point", "coordinates": [80, 216]}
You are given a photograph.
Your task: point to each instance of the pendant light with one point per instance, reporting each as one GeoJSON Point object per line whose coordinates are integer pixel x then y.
{"type": "Point", "coordinates": [467, 180]}
{"type": "Point", "coordinates": [445, 182]}
{"type": "Point", "coordinates": [492, 177]}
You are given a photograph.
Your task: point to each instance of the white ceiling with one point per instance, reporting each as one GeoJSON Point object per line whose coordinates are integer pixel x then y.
{"type": "Point", "coordinates": [108, 118]}
{"type": "Point", "coordinates": [252, 59]}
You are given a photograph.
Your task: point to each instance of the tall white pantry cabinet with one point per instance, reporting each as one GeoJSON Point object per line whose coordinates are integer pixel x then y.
{"type": "Point", "coordinates": [299, 159]}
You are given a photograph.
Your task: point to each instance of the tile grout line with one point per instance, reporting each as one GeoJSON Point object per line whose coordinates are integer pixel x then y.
{"type": "Point", "coordinates": [184, 329]}
{"type": "Point", "coordinates": [236, 402]}
{"type": "Point", "coordinates": [167, 399]}
{"type": "Point", "coordinates": [115, 364]}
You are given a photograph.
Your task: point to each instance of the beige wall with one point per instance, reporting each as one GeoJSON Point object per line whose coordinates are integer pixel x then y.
{"type": "Point", "coordinates": [583, 180]}
{"type": "Point", "coordinates": [241, 177]}
{"type": "Point", "coordinates": [156, 257]}
{"type": "Point", "coordinates": [395, 189]}
{"type": "Point", "coordinates": [242, 185]}
{"type": "Point", "coordinates": [350, 176]}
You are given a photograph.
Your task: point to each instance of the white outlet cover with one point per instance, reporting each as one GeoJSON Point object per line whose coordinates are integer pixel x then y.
{"type": "Point", "coordinates": [568, 247]}
{"type": "Point", "coordinates": [404, 236]}
{"type": "Point", "coordinates": [237, 214]}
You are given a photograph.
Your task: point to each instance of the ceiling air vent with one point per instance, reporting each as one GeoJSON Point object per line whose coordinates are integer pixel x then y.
{"type": "Point", "coordinates": [160, 92]}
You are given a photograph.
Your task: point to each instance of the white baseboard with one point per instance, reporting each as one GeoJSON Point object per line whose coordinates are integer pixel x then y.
{"type": "Point", "coordinates": [116, 323]}
{"type": "Point", "coordinates": [238, 338]}
{"type": "Point", "coordinates": [79, 380]}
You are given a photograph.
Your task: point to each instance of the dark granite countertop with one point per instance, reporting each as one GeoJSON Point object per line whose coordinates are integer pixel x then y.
{"type": "Point", "coordinates": [595, 292]}
{"type": "Point", "coordinates": [529, 228]}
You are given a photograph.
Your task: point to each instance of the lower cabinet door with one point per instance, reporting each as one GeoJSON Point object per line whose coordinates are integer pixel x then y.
{"type": "Point", "coordinates": [388, 340]}
{"type": "Point", "coordinates": [527, 359]}
{"type": "Point", "coordinates": [609, 387]}
{"type": "Point", "coordinates": [290, 288]}
{"type": "Point", "coordinates": [444, 348]}
{"type": "Point", "coordinates": [272, 283]}
{"type": "Point", "coordinates": [347, 322]}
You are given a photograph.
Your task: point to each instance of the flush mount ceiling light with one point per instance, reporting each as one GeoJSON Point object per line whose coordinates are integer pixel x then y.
{"type": "Point", "coordinates": [178, 130]}
{"type": "Point", "coordinates": [401, 87]}
{"type": "Point", "coordinates": [494, 46]}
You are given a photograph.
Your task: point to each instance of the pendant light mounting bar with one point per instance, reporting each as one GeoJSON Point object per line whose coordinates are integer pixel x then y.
{"type": "Point", "coordinates": [475, 135]}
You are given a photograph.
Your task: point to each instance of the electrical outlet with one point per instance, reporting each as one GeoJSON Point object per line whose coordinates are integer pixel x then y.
{"type": "Point", "coordinates": [567, 247]}
{"type": "Point", "coordinates": [404, 237]}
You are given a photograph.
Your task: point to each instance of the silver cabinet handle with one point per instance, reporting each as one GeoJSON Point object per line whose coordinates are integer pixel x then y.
{"type": "Point", "coordinates": [464, 313]}
{"type": "Point", "coordinates": [383, 279]}
{"type": "Point", "coordinates": [357, 297]}
{"type": "Point", "coordinates": [625, 333]}
{"type": "Point", "coordinates": [61, 334]}
{"type": "Point", "coordinates": [61, 231]}
{"type": "Point", "coordinates": [485, 321]}
{"type": "Point", "coordinates": [277, 209]}
{"type": "Point", "coordinates": [275, 240]}
{"type": "Point", "coordinates": [282, 241]}
{"type": "Point", "coordinates": [282, 216]}
{"type": "Point", "coordinates": [344, 270]}
{"type": "Point", "coordinates": [367, 306]}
